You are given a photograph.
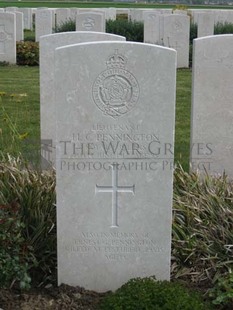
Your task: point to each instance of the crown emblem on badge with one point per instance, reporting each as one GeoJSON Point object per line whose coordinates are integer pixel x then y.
{"type": "Point", "coordinates": [116, 61]}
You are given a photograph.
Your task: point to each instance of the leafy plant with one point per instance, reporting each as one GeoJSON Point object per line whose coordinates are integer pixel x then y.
{"type": "Point", "coordinates": [15, 254]}
{"type": "Point", "coordinates": [149, 294]}
{"type": "Point", "coordinates": [202, 237]}
{"type": "Point", "coordinates": [35, 193]}
{"type": "Point", "coordinates": [27, 53]}
{"type": "Point", "coordinates": [4, 63]}
{"type": "Point", "coordinates": [223, 28]}
{"type": "Point", "coordinates": [132, 30]}
{"type": "Point", "coordinates": [66, 26]}
{"type": "Point", "coordinates": [222, 292]}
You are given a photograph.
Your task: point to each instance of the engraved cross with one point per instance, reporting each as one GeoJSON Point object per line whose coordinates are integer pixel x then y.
{"type": "Point", "coordinates": [115, 189]}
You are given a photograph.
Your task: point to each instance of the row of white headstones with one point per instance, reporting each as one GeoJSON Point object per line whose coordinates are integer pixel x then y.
{"type": "Point", "coordinates": [108, 109]}
{"type": "Point", "coordinates": [160, 26]}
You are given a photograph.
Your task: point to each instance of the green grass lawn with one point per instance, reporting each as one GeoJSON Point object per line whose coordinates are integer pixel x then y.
{"type": "Point", "coordinates": [19, 109]}
{"type": "Point", "coordinates": [20, 112]}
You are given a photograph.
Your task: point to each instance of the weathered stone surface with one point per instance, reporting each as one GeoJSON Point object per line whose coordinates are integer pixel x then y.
{"type": "Point", "coordinates": [27, 17]}
{"type": "Point", "coordinates": [151, 27]}
{"type": "Point", "coordinates": [205, 24]}
{"type": "Point", "coordinates": [175, 34]}
{"type": "Point", "coordinates": [44, 22]}
{"type": "Point", "coordinates": [8, 37]}
{"type": "Point", "coordinates": [62, 16]}
{"type": "Point", "coordinates": [115, 134]}
{"type": "Point", "coordinates": [90, 21]}
{"type": "Point", "coordinates": [212, 109]}
{"type": "Point", "coordinates": [47, 91]}
{"type": "Point", "coordinates": [19, 26]}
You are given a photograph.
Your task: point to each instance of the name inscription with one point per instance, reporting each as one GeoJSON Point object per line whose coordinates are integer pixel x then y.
{"type": "Point", "coordinates": [113, 246]}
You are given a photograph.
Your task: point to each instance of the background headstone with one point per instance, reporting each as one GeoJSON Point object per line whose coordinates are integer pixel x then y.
{"type": "Point", "coordinates": [19, 26]}
{"type": "Point", "coordinates": [27, 17]}
{"type": "Point", "coordinates": [62, 16]}
{"type": "Point", "coordinates": [175, 34]}
{"type": "Point", "coordinates": [8, 37]}
{"type": "Point", "coordinates": [110, 13]}
{"type": "Point", "coordinates": [212, 109]}
{"type": "Point", "coordinates": [151, 27]}
{"type": "Point", "coordinates": [115, 131]}
{"type": "Point", "coordinates": [11, 9]}
{"type": "Point", "coordinates": [205, 24]}
{"type": "Point", "coordinates": [73, 13]}
{"type": "Point", "coordinates": [47, 91]}
{"type": "Point", "coordinates": [44, 22]}
{"type": "Point", "coordinates": [136, 15]}
{"type": "Point", "coordinates": [223, 16]}
{"type": "Point", "coordinates": [90, 21]}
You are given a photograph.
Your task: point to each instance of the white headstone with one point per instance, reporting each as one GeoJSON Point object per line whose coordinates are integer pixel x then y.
{"type": "Point", "coordinates": [205, 24]}
{"type": "Point", "coordinates": [175, 34]}
{"type": "Point", "coordinates": [115, 131]}
{"type": "Point", "coordinates": [223, 16]}
{"type": "Point", "coordinates": [73, 13]}
{"type": "Point", "coordinates": [110, 13]}
{"type": "Point", "coordinates": [136, 15]}
{"type": "Point", "coordinates": [180, 12]}
{"type": "Point", "coordinates": [151, 27]}
{"type": "Point", "coordinates": [47, 92]}
{"type": "Point", "coordinates": [44, 23]}
{"type": "Point", "coordinates": [11, 9]}
{"type": "Point", "coordinates": [27, 17]}
{"type": "Point", "coordinates": [62, 16]}
{"type": "Point", "coordinates": [212, 109]}
{"type": "Point", "coordinates": [8, 37]}
{"type": "Point", "coordinates": [165, 11]}
{"type": "Point", "coordinates": [195, 13]}
{"type": "Point", "coordinates": [19, 26]}
{"type": "Point", "coordinates": [90, 21]}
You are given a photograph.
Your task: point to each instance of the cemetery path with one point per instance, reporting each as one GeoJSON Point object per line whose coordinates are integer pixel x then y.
{"type": "Point", "coordinates": [55, 298]}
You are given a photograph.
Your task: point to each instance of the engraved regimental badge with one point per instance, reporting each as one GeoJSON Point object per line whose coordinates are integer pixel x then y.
{"type": "Point", "coordinates": [115, 90]}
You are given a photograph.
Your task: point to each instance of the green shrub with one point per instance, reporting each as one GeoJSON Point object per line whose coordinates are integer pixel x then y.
{"type": "Point", "coordinates": [193, 33]}
{"type": "Point", "coordinates": [4, 63]}
{"type": "Point", "coordinates": [223, 28]}
{"type": "Point", "coordinates": [66, 26]}
{"type": "Point", "coordinates": [133, 31]}
{"type": "Point", "coordinates": [222, 292]}
{"type": "Point", "coordinates": [149, 294]}
{"type": "Point", "coordinates": [35, 193]}
{"type": "Point", "coordinates": [27, 53]}
{"type": "Point", "coordinates": [15, 253]}
{"type": "Point", "coordinates": [192, 36]}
